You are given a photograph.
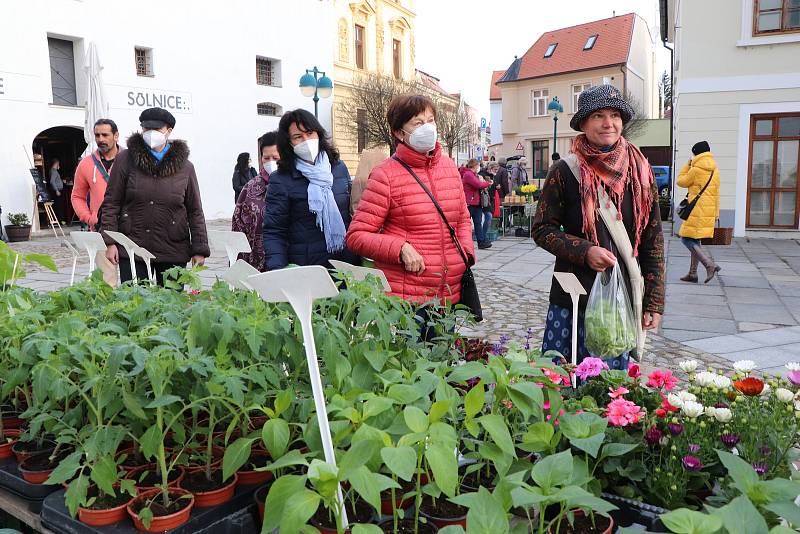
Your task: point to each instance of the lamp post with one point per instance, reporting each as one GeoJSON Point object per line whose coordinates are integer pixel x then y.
{"type": "Point", "coordinates": [554, 108]}
{"type": "Point", "coordinates": [315, 83]}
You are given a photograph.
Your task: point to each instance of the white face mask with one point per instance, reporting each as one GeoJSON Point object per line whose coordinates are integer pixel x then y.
{"type": "Point", "coordinates": [423, 139]}
{"type": "Point", "coordinates": [270, 166]}
{"type": "Point", "coordinates": [154, 138]}
{"type": "Point", "coordinates": [307, 150]}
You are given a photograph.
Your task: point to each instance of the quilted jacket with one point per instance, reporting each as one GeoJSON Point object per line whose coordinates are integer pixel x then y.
{"type": "Point", "coordinates": [394, 209]}
{"type": "Point", "coordinates": [472, 186]}
{"type": "Point", "coordinates": [694, 177]}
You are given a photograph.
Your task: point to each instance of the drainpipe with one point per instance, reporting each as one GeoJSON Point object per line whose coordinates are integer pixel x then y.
{"type": "Point", "coordinates": [671, 132]}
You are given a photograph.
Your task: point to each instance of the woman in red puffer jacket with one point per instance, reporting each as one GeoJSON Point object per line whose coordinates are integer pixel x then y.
{"type": "Point", "coordinates": [396, 223]}
{"type": "Point", "coordinates": [472, 191]}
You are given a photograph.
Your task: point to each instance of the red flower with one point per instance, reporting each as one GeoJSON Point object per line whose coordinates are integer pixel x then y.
{"type": "Point", "coordinates": [660, 412]}
{"type": "Point", "coordinates": [750, 386]}
{"type": "Point", "coordinates": [666, 406]}
{"type": "Point", "coordinates": [634, 371]}
{"type": "Point", "coordinates": [661, 379]}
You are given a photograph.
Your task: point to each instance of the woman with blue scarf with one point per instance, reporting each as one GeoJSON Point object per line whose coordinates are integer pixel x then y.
{"type": "Point", "coordinates": [308, 198]}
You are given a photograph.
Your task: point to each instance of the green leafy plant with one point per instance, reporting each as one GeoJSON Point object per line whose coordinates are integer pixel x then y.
{"type": "Point", "coordinates": [18, 219]}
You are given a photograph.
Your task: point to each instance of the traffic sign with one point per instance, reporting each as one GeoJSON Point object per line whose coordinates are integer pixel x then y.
{"type": "Point", "coordinates": [483, 122]}
{"type": "Point", "coordinates": [520, 147]}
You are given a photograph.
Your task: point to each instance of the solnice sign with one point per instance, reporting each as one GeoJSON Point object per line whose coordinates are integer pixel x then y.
{"type": "Point", "coordinates": [139, 98]}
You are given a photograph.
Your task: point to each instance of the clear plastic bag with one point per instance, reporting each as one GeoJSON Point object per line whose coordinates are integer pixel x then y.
{"type": "Point", "coordinates": [609, 322]}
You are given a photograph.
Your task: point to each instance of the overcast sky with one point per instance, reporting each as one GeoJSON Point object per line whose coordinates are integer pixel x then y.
{"type": "Point", "coordinates": [463, 41]}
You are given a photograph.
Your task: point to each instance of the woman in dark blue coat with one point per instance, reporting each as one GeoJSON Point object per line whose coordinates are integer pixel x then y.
{"type": "Point", "coordinates": [308, 199]}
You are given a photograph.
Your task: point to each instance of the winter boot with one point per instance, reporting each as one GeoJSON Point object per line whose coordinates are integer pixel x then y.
{"type": "Point", "coordinates": [711, 268]}
{"type": "Point", "coordinates": [692, 274]}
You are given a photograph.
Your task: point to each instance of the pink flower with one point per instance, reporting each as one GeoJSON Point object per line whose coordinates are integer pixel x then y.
{"type": "Point", "coordinates": [617, 393]}
{"type": "Point", "coordinates": [661, 379]}
{"type": "Point", "coordinates": [590, 367]}
{"type": "Point", "coordinates": [794, 377]}
{"type": "Point", "coordinates": [546, 405]}
{"type": "Point", "coordinates": [554, 377]}
{"type": "Point", "coordinates": [622, 412]}
{"type": "Point", "coordinates": [194, 292]}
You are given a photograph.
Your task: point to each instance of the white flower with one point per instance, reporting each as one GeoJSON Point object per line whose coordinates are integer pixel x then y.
{"type": "Point", "coordinates": [692, 409]}
{"type": "Point", "coordinates": [677, 399]}
{"type": "Point", "coordinates": [784, 395]}
{"type": "Point", "coordinates": [793, 366]}
{"type": "Point", "coordinates": [744, 366]}
{"type": "Point", "coordinates": [723, 415]}
{"type": "Point", "coordinates": [710, 411]}
{"type": "Point", "coordinates": [766, 390]}
{"type": "Point", "coordinates": [704, 378]}
{"type": "Point", "coordinates": [688, 366]}
{"type": "Point", "coordinates": [722, 381]}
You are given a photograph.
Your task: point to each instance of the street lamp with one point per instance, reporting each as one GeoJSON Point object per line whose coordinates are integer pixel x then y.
{"type": "Point", "coordinates": [312, 84]}
{"type": "Point", "coordinates": [554, 108]}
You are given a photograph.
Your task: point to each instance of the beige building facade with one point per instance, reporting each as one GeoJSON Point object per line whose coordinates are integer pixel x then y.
{"type": "Point", "coordinates": [736, 84]}
{"type": "Point", "coordinates": [374, 36]}
{"type": "Point", "coordinates": [617, 51]}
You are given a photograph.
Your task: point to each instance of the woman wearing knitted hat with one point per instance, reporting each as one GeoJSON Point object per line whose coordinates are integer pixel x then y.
{"type": "Point", "coordinates": [701, 177]}
{"type": "Point", "coordinates": [569, 224]}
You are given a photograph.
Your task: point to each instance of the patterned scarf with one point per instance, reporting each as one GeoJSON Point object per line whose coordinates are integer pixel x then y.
{"type": "Point", "coordinates": [322, 202]}
{"type": "Point", "coordinates": [615, 169]}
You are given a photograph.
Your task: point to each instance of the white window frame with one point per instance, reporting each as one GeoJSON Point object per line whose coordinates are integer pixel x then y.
{"type": "Point", "coordinates": [148, 54]}
{"type": "Point", "coordinates": [583, 87]}
{"type": "Point", "coordinates": [539, 101]}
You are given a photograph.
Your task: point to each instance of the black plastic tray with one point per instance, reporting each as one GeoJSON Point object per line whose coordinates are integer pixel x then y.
{"type": "Point", "coordinates": [11, 479]}
{"type": "Point", "coordinates": [636, 513]}
{"type": "Point", "coordinates": [236, 516]}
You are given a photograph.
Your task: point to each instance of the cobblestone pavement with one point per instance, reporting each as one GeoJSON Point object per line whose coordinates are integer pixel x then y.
{"type": "Point", "coordinates": [513, 278]}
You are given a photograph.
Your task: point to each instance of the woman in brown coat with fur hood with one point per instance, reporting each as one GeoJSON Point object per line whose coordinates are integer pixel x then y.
{"type": "Point", "coordinates": [154, 199]}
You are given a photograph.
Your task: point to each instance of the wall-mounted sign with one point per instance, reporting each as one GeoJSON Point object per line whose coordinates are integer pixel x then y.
{"type": "Point", "coordinates": [520, 147]}
{"type": "Point", "coordinates": [140, 98]}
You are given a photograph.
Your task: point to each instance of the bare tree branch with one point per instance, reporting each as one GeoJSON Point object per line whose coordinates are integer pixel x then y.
{"type": "Point", "coordinates": [639, 121]}
{"type": "Point", "coordinates": [453, 124]}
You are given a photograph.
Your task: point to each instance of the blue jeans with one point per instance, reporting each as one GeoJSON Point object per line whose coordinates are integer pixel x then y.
{"type": "Point", "coordinates": [476, 212]}
{"type": "Point", "coordinates": [487, 222]}
{"type": "Point", "coordinates": [690, 243]}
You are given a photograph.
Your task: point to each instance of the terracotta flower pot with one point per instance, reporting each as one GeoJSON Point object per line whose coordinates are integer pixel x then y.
{"type": "Point", "coordinates": [36, 474]}
{"type": "Point", "coordinates": [134, 475]}
{"type": "Point", "coordinates": [251, 478]}
{"type": "Point", "coordinates": [128, 468]}
{"type": "Point", "coordinates": [165, 522]}
{"type": "Point", "coordinates": [22, 454]}
{"type": "Point", "coordinates": [102, 518]}
{"type": "Point", "coordinates": [579, 513]}
{"type": "Point", "coordinates": [218, 454]}
{"type": "Point", "coordinates": [260, 496]}
{"type": "Point", "coordinates": [207, 499]}
{"type": "Point", "coordinates": [12, 421]}
{"type": "Point", "coordinates": [440, 519]}
{"type": "Point", "coordinates": [5, 446]}
{"type": "Point", "coordinates": [258, 422]}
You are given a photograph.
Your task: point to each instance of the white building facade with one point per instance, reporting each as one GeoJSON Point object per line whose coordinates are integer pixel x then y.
{"type": "Point", "coordinates": [226, 73]}
{"type": "Point", "coordinates": [736, 84]}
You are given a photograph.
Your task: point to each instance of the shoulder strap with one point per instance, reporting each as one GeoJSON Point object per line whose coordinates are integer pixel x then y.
{"type": "Point", "coordinates": [438, 208]}
{"type": "Point", "coordinates": [100, 167]}
{"type": "Point", "coordinates": [705, 186]}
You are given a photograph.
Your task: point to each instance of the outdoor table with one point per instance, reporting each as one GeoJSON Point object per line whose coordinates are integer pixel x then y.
{"type": "Point", "coordinates": [509, 210]}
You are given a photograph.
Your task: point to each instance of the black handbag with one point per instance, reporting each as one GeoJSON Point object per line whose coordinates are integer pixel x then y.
{"type": "Point", "coordinates": [685, 207]}
{"type": "Point", "coordinates": [469, 290]}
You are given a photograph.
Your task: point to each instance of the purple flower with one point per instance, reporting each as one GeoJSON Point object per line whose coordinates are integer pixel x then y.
{"type": "Point", "coordinates": [692, 463]}
{"type": "Point", "coordinates": [764, 450]}
{"type": "Point", "coordinates": [721, 405]}
{"type": "Point", "coordinates": [730, 440]}
{"type": "Point", "coordinates": [694, 447]}
{"type": "Point", "coordinates": [500, 346]}
{"type": "Point", "coordinates": [653, 435]}
{"type": "Point", "coordinates": [794, 377]}
{"type": "Point", "coordinates": [761, 468]}
{"type": "Point", "coordinates": [675, 429]}
{"type": "Point", "coordinates": [528, 337]}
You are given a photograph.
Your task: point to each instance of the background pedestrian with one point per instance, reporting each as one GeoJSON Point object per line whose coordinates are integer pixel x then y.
{"type": "Point", "coordinates": [243, 172]}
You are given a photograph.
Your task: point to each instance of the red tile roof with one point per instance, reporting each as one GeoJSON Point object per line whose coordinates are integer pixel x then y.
{"type": "Point", "coordinates": [432, 82]}
{"type": "Point", "coordinates": [494, 91]}
{"type": "Point", "coordinates": [611, 48]}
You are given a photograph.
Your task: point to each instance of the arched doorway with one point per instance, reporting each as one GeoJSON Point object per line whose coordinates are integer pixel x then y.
{"type": "Point", "coordinates": [66, 144]}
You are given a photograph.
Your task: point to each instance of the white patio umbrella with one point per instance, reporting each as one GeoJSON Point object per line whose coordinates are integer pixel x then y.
{"type": "Point", "coordinates": [96, 101]}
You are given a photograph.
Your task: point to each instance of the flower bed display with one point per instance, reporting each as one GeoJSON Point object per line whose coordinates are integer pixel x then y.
{"type": "Point", "coordinates": [146, 385]}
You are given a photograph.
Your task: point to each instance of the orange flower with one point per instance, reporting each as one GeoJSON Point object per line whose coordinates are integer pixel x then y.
{"type": "Point", "coordinates": [750, 386]}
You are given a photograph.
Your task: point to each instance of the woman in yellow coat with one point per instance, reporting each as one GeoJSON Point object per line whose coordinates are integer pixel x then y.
{"type": "Point", "coordinates": [700, 224]}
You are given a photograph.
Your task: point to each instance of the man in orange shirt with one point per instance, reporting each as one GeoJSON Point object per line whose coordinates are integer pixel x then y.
{"type": "Point", "coordinates": [91, 178]}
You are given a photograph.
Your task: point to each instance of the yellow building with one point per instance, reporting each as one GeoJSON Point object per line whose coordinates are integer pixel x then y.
{"type": "Point", "coordinates": [374, 36]}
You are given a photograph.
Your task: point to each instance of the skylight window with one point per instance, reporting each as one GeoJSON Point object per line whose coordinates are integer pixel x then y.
{"type": "Point", "coordinates": [550, 50]}
{"type": "Point", "coordinates": [590, 42]}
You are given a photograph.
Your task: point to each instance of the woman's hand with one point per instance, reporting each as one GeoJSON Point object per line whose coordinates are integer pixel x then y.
{"type": "Point", "coordinates": [650, 321]}
{"type": "Point", "coordinates": [600, 259]}
{"type": "Point", "coordinates": [112, 254]}
{"type": "Point", "coordinates": [411, 259]}
{"type": "Point", "coordinates": [198, 261]}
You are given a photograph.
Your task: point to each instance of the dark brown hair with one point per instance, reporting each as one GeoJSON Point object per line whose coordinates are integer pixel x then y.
{"type": "Point", "coordinates": [403, 108]}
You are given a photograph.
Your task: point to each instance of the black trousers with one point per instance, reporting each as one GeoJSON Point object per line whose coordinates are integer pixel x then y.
{"type": "Point", "coordinates": [141, 270]}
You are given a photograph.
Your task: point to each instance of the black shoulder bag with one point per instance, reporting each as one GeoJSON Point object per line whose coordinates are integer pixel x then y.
{"type": "Point", "coordinates": [469, 291]}
{"type": "Point", "coordinates": [685, 207]}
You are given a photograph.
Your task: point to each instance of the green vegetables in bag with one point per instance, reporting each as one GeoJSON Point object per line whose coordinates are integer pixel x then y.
{"type": "Point", "coordinates": [609, 322]}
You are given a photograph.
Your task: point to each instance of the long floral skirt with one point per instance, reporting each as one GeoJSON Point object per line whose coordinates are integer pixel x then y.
{"type": "Point", "coordinates": [558, 338]}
